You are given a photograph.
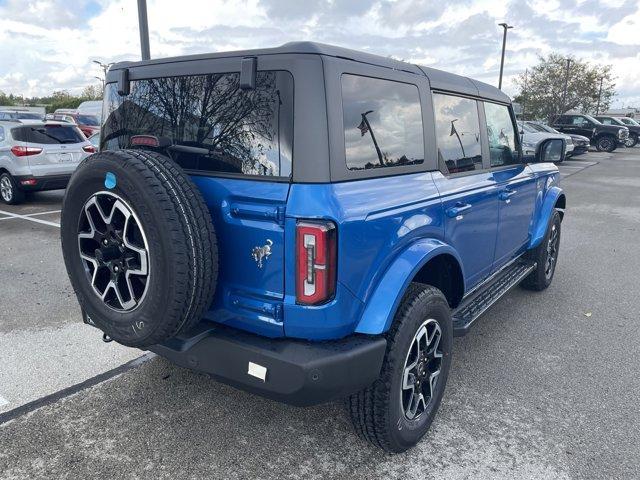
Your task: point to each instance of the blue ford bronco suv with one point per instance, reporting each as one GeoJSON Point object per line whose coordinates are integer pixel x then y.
{"type": "Point", "coordinates": [308, 223]}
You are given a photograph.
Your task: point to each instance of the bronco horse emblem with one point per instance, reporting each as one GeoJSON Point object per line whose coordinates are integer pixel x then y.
{"type": "Point", "coordinates": [261, 253]}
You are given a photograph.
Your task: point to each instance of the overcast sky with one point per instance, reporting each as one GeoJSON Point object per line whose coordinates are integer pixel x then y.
{"type": "Point", "coordinates": [48, 45]}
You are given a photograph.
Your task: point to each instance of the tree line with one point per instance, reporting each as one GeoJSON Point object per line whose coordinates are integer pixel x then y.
{"type": "Point", "coordinates": [58, 99]}
{"type": "Point", "coordinates": [590, 88]}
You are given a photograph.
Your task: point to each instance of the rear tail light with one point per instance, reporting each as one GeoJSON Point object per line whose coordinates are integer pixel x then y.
{"type": "Point", "coordinates": [20, 151]}
{"type": "Point", "coordinates": [89, 149]}
{"type": "Point", "coordinates": [145, 141]}
{"type": "Point", "coordinates": [30, 182]}
{"type": "Point", "coordinates": [315, 262]}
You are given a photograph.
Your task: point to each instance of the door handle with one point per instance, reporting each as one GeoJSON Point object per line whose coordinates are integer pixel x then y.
{"type": "Point", "coordinates": [458, 209]}
{"type": "Point", "coordinates": [506, 194]}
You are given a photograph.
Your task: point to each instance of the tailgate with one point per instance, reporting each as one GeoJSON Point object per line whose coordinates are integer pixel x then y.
{"type": "Point", "coordinates": [249, 220]}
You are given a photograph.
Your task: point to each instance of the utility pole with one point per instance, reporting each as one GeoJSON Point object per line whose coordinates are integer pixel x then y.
{"type": "Point", "coordinates": [504, 44]}
{"type": "Point", "coordinates": [564, 91]}
{"type": "Point", "coordinates": [599, 96]}
{"type": "Point", "coordinates": [143, 25]}
{"type": "Point", "coordinates": [524, 94]}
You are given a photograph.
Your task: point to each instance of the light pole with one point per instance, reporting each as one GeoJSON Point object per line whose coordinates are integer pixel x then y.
{"type": "Point", "coordinates": [599, 96]}
{"type": "Point", "coordinates": [101, 81]}
{"type": "Point", "coordinates": [365, 121]}
{"type": "Point", "coordinates": [144, 29]}
{"type": "Point", "coordinates": [504, 44]}
{"type": "Point", "coordinates": [564, 90]}
{"type": "Point", "coordinates": [104, 66]}
{"type": "Point", "coordinates": [524, 95]}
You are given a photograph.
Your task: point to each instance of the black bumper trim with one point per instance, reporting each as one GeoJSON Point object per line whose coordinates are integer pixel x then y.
{"type": "Point", "coordinates": [50, 182]}
{"type": "Point", "coordinates": [298, 372]}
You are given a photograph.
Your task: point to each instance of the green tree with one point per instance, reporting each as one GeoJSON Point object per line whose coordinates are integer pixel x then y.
{"type": "Point", "coordinates": [92, 92]}
{"type": "Point", "coordinates": [541, 89]}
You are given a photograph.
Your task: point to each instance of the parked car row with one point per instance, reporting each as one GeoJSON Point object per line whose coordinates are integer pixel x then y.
{"type": "Point", "coordinates": [87, 123]}
{"type": "Point", "coordinates": [38, 156]}
{"type": "Point", "coordinates": [605, 137]}
{"type": "Point", "coordinates": [581, 131]}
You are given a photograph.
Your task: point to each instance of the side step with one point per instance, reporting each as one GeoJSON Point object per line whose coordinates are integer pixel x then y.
{"type": "Point", "coordinates": [474, 306]}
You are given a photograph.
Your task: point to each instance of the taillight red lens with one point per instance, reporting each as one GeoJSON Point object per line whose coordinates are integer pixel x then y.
{"type": "Point", "coordinates": [315, 262]}
{"type": "Point", "coordinates": [89, 149]}
{"type": "Point", "coordinates": [145, 141]}
{"type": "Point", "coordinates": [20, 151]}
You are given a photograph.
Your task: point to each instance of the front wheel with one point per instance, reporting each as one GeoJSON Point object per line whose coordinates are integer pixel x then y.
{"type": "Point", "coordinates": [606, 144]}
{"type": "Point", "coordinates": [9, 191]}
{"type": "Point", "coordinates": [546, 256]}
{"type": "Point", "coordinates": [397, 410]}
{"type": "Point", "coordinates": [631, 142]}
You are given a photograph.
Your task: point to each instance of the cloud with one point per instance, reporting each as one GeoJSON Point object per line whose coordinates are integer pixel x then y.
{"type": "Point", "coordinates": [51, 43]}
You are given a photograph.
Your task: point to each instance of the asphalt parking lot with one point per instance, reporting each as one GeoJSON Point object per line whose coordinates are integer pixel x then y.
{"type": "Point", "coordinates": [544, 386]}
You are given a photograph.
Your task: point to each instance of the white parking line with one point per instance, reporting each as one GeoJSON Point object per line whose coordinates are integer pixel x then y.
{"type": "Point", "coordinates": [3, 401]}
{"type": "Point", "coordinates": [25, 217]}
{"type": "Point", "coordinates": [42, 213]}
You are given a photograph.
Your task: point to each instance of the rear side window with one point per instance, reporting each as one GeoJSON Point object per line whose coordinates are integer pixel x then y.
{"type": "Point", "coordinates": [457, 134]}
{"type": "Point", "coordinates": [502, 135]}
{"type": "Point", "coordinates": [48, 134]}
{"type": "Point", "coordinates": [382, 123]}
{"type": "Point", "coordinates": [206, 123]}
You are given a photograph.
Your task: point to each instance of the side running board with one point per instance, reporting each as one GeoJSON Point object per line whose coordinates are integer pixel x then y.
{"type": "Point", "coordinates": [474, 306]}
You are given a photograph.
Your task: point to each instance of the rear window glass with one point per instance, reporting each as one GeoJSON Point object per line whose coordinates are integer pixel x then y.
{"type": "Point", "coordinates": [48, 134]}
{"type": "Point", "coordinates": [28, 116]}
{"type": "Point", "coordinates": [90, 120]}
{"type": "Point", "coordinates": [457, 134]}
{"type": "Point", "coordinates": [382, 123]}
{"type": "Point", "coordinates": [206, 123]}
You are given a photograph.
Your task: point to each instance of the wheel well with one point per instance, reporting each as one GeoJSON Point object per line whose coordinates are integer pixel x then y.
{"type": "Point", "coordinates": [444, 273]}
{"type": "Point", "coordinates": [602, 135]}
{"type": "Point", "coordinates": [4, 170]}
{"type": "Point", "coordinates": [561, 204]}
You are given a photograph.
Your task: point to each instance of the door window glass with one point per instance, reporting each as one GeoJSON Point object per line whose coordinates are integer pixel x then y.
{"type": "Point", "coordinates": [502, 135]}
{"type": "Point", "coordinates": [382, 123]}
{"type": "Point", "coordinates": [457, 134]}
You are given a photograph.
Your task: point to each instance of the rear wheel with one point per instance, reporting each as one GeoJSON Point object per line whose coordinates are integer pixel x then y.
{"type": "Point", "coordinates": [606, 143]}
{"type": "Point", "coordinates": [139, 246]}
{"type": "Point", "coordinates": [9, 191]}
{"type": "Point", "coordinates": [397, 410]}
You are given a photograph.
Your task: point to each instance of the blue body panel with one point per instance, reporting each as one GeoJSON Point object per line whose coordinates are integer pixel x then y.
{"type": "Point", "coordinates": [471, 232]}
{"type": "Point", "coordinates": [388, 229]}
{"type": "Point", "coordinates": [245, 214]}
{"type": "Point", "coordinates": [382, 305]}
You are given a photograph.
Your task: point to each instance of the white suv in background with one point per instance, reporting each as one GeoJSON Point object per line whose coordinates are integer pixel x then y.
{"type": "Point", "coordinates": [38, 156]}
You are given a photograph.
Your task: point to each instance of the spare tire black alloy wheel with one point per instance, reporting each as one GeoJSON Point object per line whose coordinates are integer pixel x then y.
{"type": "Point", "coordinates": [114, 247]}
{"type": "Point", "coordinates": [139, 246]}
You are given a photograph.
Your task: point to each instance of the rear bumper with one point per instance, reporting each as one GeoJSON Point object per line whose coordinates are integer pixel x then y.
{"type": "Point", "coordinates": [29, 183]}
{"type": "Point", "coordinates": [296, 372]}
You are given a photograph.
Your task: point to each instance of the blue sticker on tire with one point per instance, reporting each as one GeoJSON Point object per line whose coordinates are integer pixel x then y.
{"type": "Point", "coordinates": [110, 180]}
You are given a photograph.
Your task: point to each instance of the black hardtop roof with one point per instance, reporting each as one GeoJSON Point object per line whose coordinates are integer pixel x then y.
{"type": "Point", "coordinates": [439, 79]}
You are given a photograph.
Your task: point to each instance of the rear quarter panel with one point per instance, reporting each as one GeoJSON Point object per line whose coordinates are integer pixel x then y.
{"type": "Point", "coordinates": [377, 219]}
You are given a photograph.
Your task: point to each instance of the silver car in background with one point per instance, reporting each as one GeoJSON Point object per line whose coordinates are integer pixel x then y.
{"type": "Point", "coordinates": [531, 137]}
{"type": "Point", "coordinates": [38, 156]}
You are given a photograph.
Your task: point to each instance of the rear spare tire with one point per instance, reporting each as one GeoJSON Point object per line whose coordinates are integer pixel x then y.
{"type": "Point", "coordinates": [139, 246]}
